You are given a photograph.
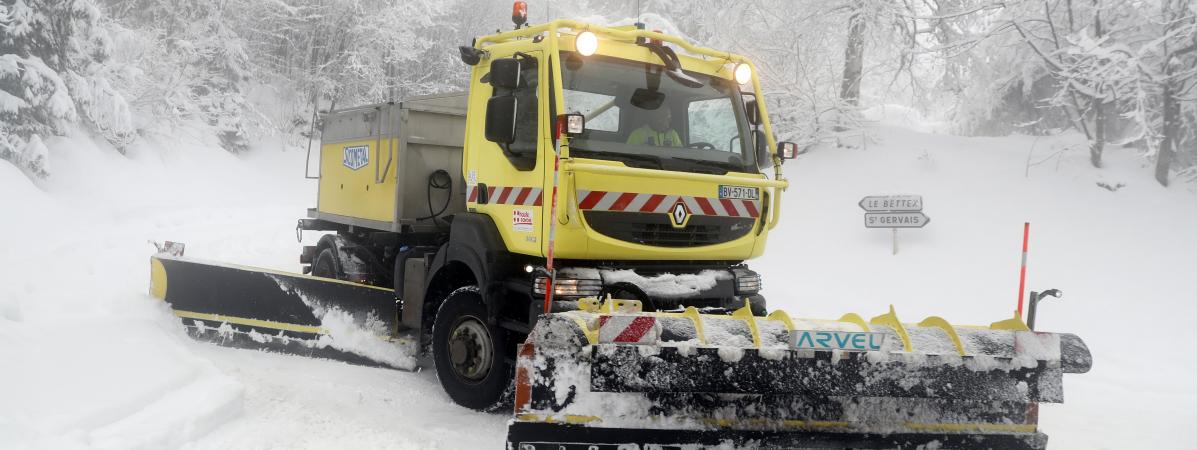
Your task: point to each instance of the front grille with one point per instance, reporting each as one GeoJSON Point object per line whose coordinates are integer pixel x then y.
{"type": "Point", "coordinates": [656, 229]}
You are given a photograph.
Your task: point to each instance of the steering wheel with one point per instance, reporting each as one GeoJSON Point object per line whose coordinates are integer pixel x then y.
{"type": "Point", "coordinates": [702, 145]}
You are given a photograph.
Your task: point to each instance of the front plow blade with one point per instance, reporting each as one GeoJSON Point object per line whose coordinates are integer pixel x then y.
{"type": "Point", "coordinates": [248, 307]}
{"type": "Point", "coordinates": [740, 381]}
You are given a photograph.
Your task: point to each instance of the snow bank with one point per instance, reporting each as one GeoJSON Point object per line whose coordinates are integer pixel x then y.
{"type": "Point", "coordinates": [107, 382]}
{"type": "Point", "coordinates": [300, 403]}
{"type": "Point", "coordinates": [90, 359]}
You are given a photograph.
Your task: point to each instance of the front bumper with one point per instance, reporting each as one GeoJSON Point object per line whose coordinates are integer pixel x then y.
{"type": "Point", "coordinates": [703, 287]}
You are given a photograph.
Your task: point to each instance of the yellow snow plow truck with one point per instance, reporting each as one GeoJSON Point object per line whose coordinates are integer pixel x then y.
{"type": "Point", "coordinates": [569, 237]}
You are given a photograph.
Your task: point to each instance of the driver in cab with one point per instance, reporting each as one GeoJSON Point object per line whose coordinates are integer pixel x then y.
{"type": "Point", "coordinates": [656, 130]}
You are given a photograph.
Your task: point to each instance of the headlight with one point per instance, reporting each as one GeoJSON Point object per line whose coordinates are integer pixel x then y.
{"type": "Point", "coordinates": [586, 43]}
{"type": "Point", "coordinates": [569, 287]}
{"type": "Point", "coordinates": [747, 281]}
{"type": "Point", "coordinates": [743, 73]}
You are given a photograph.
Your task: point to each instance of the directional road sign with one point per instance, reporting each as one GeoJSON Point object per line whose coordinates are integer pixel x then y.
{"type": "Point", "coordinates": [875, 203]}
{"type": "Point", "coordinates": [896, 220]}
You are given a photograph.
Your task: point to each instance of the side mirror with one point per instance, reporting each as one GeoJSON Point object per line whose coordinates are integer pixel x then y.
{"type": "Point", "coordinates": [505, 73]}
{"type": "Point", "coordinates": [787, 150]}
{"type": "Point", "coordinates": [470, 55]}
{"type": "Point", "coordinates": [500, 119]}
{"type": "Point", "coordinates": [763, 159]}
{"type": "Point", "coordinates": [752, 112]}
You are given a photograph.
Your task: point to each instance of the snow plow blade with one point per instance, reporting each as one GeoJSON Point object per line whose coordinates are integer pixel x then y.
{"type": "Point", "coordinates": [610, 376]}
{"type": "Point", "coordinates": [247, 307]}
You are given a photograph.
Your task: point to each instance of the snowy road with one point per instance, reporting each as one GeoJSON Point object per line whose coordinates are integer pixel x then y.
{"type": "Point", "coordinates": [100, 364]}
{"type": "Point", "coordinates": [290, 402]}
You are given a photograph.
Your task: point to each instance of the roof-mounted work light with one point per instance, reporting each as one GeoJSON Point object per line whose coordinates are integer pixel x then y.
{"type": "Point", "coordinates": [743, 73]}
{"type": "Point", "coordinates": [586, 43]}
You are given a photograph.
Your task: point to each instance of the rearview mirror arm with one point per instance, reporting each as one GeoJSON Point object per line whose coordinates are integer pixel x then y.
{"type": "Point", "coordinates": [673, 66]}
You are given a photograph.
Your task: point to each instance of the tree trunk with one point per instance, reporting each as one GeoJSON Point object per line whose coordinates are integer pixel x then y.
{"type": "Point", "coordinates": [1172, 12]}
{"type": "Point", "coordinates": [1097, 145]}
{"type": "Point", "coordinates": [1099, 114]}
{"type": "Point", "coordinates": [1071, 24]}
{"type": "Point", "coordinates": [953, 69]}
{"type": "Point", "coordinates": [1163, 163]}
{"type": "Point", "coordinates": [854, 56]}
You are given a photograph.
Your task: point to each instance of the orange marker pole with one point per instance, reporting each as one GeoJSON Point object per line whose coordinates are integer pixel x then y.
{"type": "Point", "coordinates": [551, 279]}
{"type": "Point", "coordinates": [1022, 275]}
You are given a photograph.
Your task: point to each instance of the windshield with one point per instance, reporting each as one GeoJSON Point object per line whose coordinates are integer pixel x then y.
{"type": "Point", "coordinates": [637, 114]}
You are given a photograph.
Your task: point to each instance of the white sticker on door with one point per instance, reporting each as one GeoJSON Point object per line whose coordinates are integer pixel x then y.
{"type": "Point", "coordinates": [521, 220]}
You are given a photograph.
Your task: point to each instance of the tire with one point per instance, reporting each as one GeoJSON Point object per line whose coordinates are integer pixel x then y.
{"type": "Point", "coordinates": [470, 354]}
{"type": "Point", "coordinates": [327, 265]}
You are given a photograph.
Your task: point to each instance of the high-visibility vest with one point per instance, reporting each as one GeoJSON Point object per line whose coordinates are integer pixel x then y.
{"type": "Point", "coordinates": [647, 135]}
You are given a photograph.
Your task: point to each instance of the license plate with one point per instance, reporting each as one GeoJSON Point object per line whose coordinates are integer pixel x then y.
{"type": "Point", "coordinates": [852, 341]}
{"type": "Point", "coordinates": [738, 192]}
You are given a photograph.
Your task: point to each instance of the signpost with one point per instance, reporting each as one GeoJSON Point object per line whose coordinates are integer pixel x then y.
{"type": "Point", "coordinates": [875, 203]}
{"type": "Point", "coordinates": [896, 220]}
{"type": "Point", "coordinates": [893, 212]}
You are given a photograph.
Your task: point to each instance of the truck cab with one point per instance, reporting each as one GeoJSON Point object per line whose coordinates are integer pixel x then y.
{"type": "Point", "coordinates": [663, 173]}
{"type": "Point", "coordinates": [584, 161]}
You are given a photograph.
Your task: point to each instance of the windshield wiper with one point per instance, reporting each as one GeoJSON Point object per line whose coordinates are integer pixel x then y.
{"type": "Point", "coordinates": [725, 166]}
{"type": "Point", "coordinates": [656, 160]}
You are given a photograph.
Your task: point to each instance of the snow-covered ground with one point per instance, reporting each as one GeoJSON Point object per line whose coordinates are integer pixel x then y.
{"type": "Point", "coordinates": [89, 360]}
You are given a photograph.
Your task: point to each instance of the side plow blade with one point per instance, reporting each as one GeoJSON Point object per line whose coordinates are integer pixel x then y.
{"type": "Point", "coordinates": [610, 376]}
{"type": "Point", "coordinates": [249, 307]}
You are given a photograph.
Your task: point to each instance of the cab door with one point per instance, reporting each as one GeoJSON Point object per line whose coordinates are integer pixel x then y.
{"type": "Point", "coordinates": [505, 182]}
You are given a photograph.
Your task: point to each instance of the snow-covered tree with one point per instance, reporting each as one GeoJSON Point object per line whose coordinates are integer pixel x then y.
{"type": "Point", "coordinates": [1093, 65]}
{"type": "Point", "coordinates": [200, 70]}
{"type": "Point", "coordinates": [1174, 53]}
{"type": "Point", "coordinates": [1119, 71]}
{"type": "Point", "coordinates": [1131, 65]}
{"type": "Point", "coordinates": [47, 51]}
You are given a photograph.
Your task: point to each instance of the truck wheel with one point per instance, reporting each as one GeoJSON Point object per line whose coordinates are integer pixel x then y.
{"type": "Point", "coordinates": [469, 353]}
{"type": "Point", "coordinates": [326, 265]}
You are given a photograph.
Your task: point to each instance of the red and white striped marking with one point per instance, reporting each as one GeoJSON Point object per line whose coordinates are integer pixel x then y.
{"type": "Point", "coordinates": [628, 330]}
{"type": "Point", "coordinates": [506, 195]}
{"type": "Point", "coordinates": [661, 203]}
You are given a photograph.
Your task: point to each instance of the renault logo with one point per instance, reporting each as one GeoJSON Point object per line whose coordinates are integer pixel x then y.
{"type": "Point", "coordinates": [679, 214]}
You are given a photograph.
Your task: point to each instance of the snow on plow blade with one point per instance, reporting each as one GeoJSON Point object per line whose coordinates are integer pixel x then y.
{"type": "Point", "coordinates": [249, 307]}
{"type": "Point", "coordinates": [609, 376]}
